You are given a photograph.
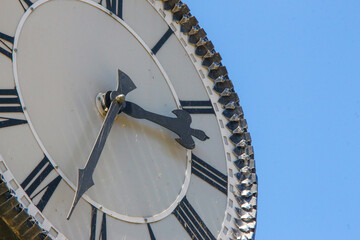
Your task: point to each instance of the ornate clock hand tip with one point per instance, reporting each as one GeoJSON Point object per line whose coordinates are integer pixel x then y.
{"type": "Point", "coordinates": [199, 134]}
{"type": "Point", "coordinates": [125, 84]}
{"type": "Point", "coordinates": [85, 181]}
{"type": "Point", "coordinates": [75, 201]}
{"type": "Point", "coordinates": [186, 141]}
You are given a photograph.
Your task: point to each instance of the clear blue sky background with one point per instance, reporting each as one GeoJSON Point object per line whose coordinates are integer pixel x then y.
{"type": "Point", "coordinates": [296, 68]}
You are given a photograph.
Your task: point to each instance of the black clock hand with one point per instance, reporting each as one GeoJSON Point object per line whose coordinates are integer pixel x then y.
{"type": "Point", "coordinates": [85, 180]}
{"type": "Point", "coordinates": [179, 125]}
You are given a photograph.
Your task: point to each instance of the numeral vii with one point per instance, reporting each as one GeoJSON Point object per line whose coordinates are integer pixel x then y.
{"type": "Point", "coordinates": [209, 174]}
{"type": "Point", "coordinates": [31, 184]}
{"type": "Point", "coordinates": [10, 103]}
{"type": "Point", "coordinates": [102, 235]}
{"type": "Point", "coordinates": [115, 6]}
{"type": "Point", "coordinates": [191, 221]}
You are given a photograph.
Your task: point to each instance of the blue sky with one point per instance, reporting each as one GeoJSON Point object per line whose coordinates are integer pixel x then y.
{"type": "Point", "coordinates": [296, 68]}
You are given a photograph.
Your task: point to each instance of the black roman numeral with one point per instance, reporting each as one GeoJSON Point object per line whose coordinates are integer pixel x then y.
{"type": "Point", "coordinates": [25, 3]}
{"type": "Point", "coordinates": [191, 221]}
{"type": "Point", "coordinates": [35, 178]}
{"type": "Point", "coordinates": [5, 40]}
{"type": "Point", "coordinates": [10, 103]}
{"type": "Point", "coordinates": [102, 235]}
{"type": "Point", "coordinates": [152, 236]}
{"type": "Point", "coordinates": [209, 174]}
{"type": "Point", "coordinates": [162, 41]}
{"type": "Point", "coordinates": [197, 107]}
{"type": "Point", "coordinates": [115, 6]}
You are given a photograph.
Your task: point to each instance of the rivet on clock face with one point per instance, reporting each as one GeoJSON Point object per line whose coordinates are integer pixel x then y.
{"type": "Point", "coordinates": [24, 108]}
{"type": "Point", "coordinates": [15, 50]}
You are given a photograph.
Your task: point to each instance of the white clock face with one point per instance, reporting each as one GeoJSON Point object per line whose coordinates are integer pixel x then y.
{"type": "Point", "coordinates": [55, 58]}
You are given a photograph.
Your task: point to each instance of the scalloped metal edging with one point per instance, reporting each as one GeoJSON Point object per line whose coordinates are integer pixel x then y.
{"type": "Point", "coordinates": [246, 195]}
{"type": "Point", "coordinates": [17, 218]}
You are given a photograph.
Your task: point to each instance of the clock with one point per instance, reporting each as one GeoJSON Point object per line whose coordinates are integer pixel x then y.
{"type": "Point", "coordinates": [119, 121]}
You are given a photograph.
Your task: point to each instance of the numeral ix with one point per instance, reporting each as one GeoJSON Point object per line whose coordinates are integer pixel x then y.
{"type": "Point", "coordinates": [10, 103]}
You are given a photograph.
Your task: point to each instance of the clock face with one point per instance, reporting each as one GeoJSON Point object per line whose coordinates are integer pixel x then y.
{"type": "Point", "coordinates": [58, 59]}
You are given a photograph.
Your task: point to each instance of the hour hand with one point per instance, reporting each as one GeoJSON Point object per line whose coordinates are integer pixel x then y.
{"type": "Point", "coordinates": [179, 125]}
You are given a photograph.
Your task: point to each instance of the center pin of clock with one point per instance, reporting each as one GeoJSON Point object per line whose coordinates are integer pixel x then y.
{"type": "Point", "coordinates": [103, 102]}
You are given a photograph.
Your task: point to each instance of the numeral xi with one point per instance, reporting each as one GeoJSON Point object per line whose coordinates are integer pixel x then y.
{"type": "Point", "coordinates": [31, 184]}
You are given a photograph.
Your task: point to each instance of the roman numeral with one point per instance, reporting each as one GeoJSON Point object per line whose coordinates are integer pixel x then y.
{"type": "Point", "coordinates": [152, 236]}
{"type": "Point", "coordinates": [209, 174]}
{"type": "Point", "coordinates": [115, 6]}
{"type": "Point", "coordinates": [162, 41]}
{"type": "Point", "coordinates": [36, 177]}
{"type": "Point", "coordinates": [197, 107]}
{"type": "Point", "coordinates": [191, 221]}
{"type": "Point", "coordinates": [25, 3]}
{"type": "Point", "coordinates": [102, 235]}
{"type": "Point", "coordinates": [5, 40]}
{"type": "Point", "coordinates": [10, 103]}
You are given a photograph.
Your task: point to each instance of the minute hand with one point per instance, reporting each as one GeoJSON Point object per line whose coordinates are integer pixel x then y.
{"type": "Point", "coordinates": [85, 180]}
{"type": "Point", "coordinates": [179, 125]}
